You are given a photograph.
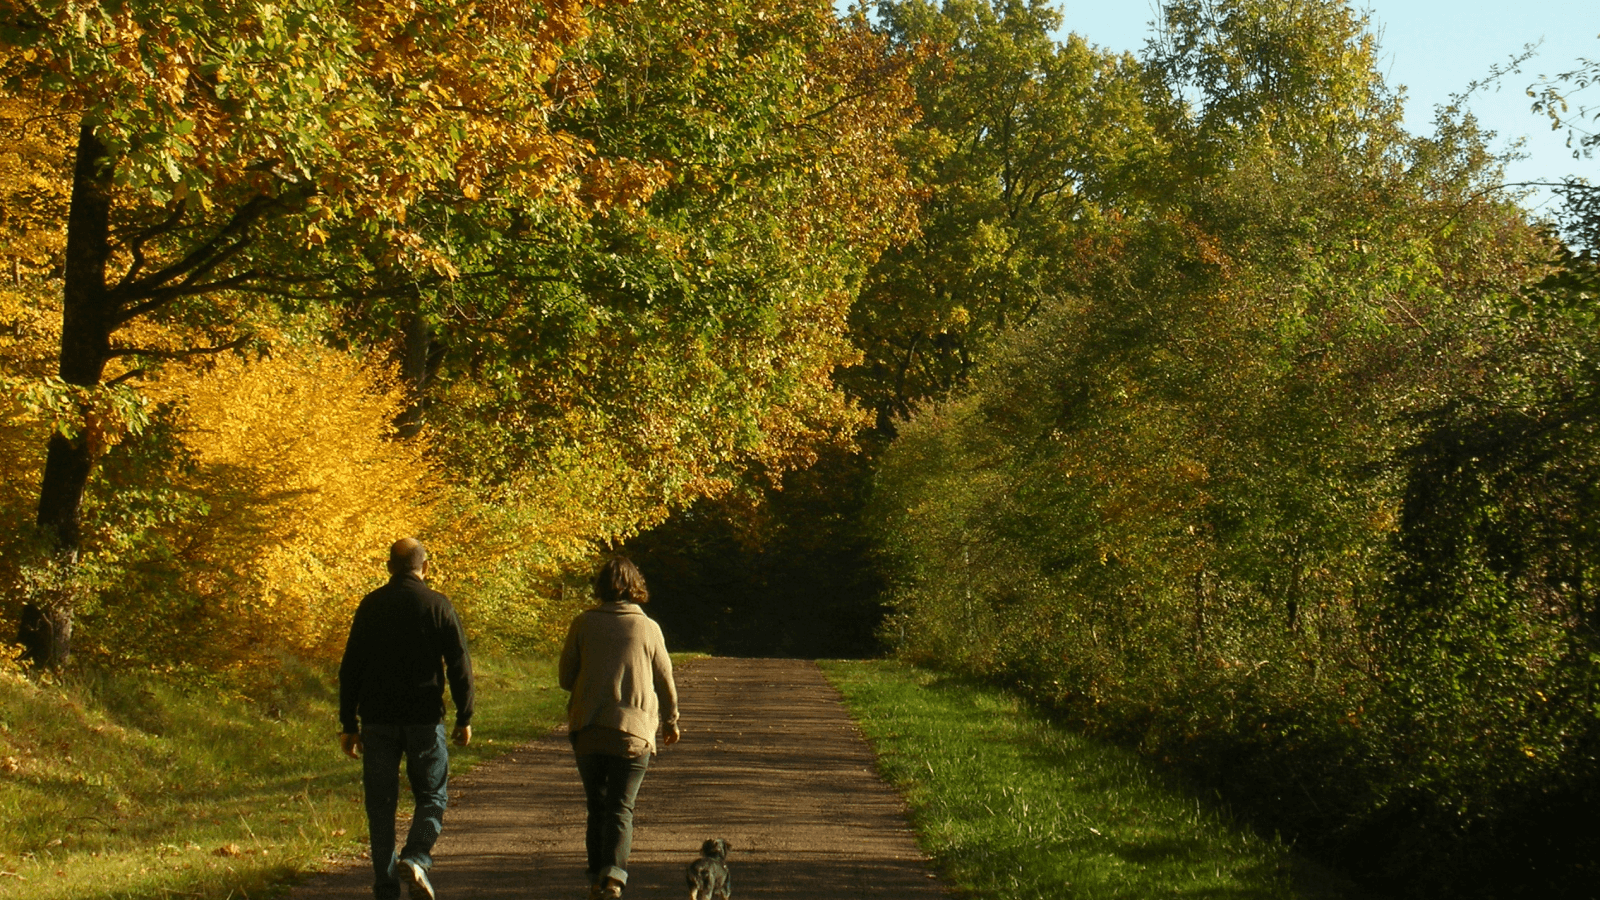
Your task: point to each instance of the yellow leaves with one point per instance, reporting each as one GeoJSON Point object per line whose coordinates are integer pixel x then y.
{"type": "Point", "coordinates": [380, 99]}
{"type": "Point", "coordinates": [305, 488]}
{"type": "Point", "coordinates": [407, 250]}
{"type": "Point", "coordinates": [623, 183]}
{"type": "Point", "coordinates": [34, 184]}
{"type": "Point", "coordinates": [1385, 517]}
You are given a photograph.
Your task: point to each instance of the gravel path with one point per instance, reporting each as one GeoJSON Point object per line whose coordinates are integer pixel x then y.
{"type": "Point", "coordinates": [769, 761]}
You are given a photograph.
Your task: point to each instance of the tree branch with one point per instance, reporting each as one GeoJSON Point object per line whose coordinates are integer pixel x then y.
{"type": "Point", "coordinates": [229, 240]}
{"type": "Point", "coordinates": [158, 298]}
{"type": "Point", "coordinates": [236, 343]}
{"type": "Point", "coordinates": [136, 241]}
{"type": "Point", "coordinates": [126, 376]}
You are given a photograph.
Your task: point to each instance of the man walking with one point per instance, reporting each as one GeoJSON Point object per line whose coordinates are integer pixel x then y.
{"type": "Point", "coordinates": [405, 643]}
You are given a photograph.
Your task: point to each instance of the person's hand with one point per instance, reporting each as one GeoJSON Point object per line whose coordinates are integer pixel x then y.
{"type": "Point", "coordinates": [462, 735]}
{"type": "Point", "coordinates": [670, 734]}
{"type": "Point", "coordinates": [350, 744]}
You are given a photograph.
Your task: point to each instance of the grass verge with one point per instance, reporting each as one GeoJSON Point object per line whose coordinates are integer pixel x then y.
{"type": "Point", "coordinates": [1011, 806]}
{"type": "Point", "coordinates": [133, 787]}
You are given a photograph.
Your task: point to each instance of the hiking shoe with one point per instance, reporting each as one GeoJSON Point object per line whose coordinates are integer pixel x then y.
{"type": "Point", "coordinates": [416, 878]}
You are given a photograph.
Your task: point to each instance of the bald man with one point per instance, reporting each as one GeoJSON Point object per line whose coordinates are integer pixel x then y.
{"type": "Point", "coordinates": [405, 644]}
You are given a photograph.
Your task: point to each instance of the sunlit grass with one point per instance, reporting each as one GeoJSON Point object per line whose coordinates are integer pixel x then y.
{"type": "Point", "coordinates": [1010, 806]}
{"type": "Point", "coordinates": [131, 787]}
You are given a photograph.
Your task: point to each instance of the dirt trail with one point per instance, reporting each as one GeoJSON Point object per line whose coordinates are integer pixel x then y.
{"type": "Point", "coordinates": [769, 761]}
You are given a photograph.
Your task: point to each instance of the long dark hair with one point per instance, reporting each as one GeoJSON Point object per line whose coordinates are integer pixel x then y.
{"type": "Point", "coordinates": [619, 579]}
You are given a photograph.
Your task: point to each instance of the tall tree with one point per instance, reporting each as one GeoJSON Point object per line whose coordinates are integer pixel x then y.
{"type": "Point", "coordinates": [1023, 140]}
{"type": "Point", "coordinates": [200, 123]}
{"type": "Point", "coordinates": [1022, 143]}
{"type": "Point", "coordinates": [1180, 504]}
{"type": "Point", "coordinates": [683, 325]}
{"type": "Point", "coordinates": [611, 292]}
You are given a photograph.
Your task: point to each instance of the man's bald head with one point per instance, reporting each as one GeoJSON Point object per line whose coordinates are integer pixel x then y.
{"type": "Point", "coordinates": [407, 555]}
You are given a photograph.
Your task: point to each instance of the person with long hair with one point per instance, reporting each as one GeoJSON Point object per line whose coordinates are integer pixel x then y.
{"type": "Point", "coordinates": [615, 663]}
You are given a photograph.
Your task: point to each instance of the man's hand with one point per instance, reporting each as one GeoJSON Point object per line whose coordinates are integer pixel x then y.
{"type": "Point", "coordinates": [350, 744]}
{"type": "Point", "coordinates": [670, 734]}
{"type": "Point", "coordinates": [462, 735]}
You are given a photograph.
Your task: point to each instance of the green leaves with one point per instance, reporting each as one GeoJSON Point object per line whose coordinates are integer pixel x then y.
{"type": "Point", "coordinates": [1020, 147]}
{"type": "Point", "coordinates": [106, 413]}
{"type": "Point", "coordinates": [1174, 498]}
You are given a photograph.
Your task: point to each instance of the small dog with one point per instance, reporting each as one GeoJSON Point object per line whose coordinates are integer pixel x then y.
{"type": "Point", "coordinates": [708, 875]}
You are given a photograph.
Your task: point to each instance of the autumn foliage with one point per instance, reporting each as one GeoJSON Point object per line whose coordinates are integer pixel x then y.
{"type": "Point", "coordinates": [517, 278]}
{"type": "Point", "coordinates": [1288, 478]}
{"type": "Point", "coordinates": [1193, 393]}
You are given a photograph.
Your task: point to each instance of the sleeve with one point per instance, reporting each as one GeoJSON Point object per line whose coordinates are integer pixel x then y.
{"type": "Point", "coordinates": [351, 668]}
{"type": "Point", "coordinates": [666, 688]}
{"type": "Point", "coordinates": [457, 664]}
{"type": "Point", "coordinates": [571, 658]}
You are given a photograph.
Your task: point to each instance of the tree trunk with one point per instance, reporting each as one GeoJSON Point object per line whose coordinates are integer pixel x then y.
{"type": "Point", "coordinates": [421, 353]}
{"type": "Point", "coordinates": [88, 316]}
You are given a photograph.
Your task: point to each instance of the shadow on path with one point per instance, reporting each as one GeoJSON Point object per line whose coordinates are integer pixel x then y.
{"type": "Point", "coordinates": [769, 761]}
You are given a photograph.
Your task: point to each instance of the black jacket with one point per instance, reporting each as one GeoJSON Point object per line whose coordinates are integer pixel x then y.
{"type": "Point", "coordinates": [405, 641]}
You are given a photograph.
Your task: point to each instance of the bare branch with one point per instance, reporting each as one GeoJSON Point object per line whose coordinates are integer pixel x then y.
{"type": "Point", "coordinates": [159, 298]}
{"type": "Point", "coordinates": [126, 376]}
{"type": "Point", "coordinates": [236, 343]}
{"type": "Point", "coordinates": [229, 240]}
{"type": "Point", "coordinates": [136, 241]}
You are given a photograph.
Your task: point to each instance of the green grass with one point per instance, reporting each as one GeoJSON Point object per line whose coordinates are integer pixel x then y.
{"type": "Point", "coordinates": [134, 787]}
{"type": "Point", "coordinates": [1011, 806]}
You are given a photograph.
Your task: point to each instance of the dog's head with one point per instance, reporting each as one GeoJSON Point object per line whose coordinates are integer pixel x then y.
{"type": "Point", "coordinates": [716, 848]}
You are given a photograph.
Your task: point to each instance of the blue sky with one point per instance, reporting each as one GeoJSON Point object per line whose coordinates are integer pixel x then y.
{"type": "Point", "coordinates": [1436, 49]}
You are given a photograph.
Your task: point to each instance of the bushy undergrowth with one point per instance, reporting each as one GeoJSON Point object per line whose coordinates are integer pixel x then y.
{"type": "Point", "coordinates": [1387, 650]}
{"type": "Point", "coordinates": [136, 785]}
{"type": "Point", "coordinates": [1293, 484]}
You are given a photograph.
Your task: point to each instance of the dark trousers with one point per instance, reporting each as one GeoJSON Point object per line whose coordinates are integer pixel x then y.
{"type": "Point", "coordinates": [610, 786]}
{"type": "Point", "coordinates": [427, 760]}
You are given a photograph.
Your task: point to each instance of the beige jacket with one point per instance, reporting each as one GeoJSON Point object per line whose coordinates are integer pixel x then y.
{"type": "Point", "coordinates": [615, 664]}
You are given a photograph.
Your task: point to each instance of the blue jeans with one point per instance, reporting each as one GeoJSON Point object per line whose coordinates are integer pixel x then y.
{"type": "Point", "coordinates": [428, 769]}
{"type": "Point", "coordinates": [610, 786]}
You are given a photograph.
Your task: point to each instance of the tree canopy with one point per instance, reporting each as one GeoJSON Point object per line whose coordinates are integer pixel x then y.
{"type": "Point", "coordinates": [1189, 392]}
{"type": "Point", "coordinates": [609, 250]}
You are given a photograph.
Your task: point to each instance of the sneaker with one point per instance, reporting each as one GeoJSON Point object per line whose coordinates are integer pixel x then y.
{"type": "Point", "coordinates": [416, 878]}
{"type": "Point", "coordinates": [612, 890]}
